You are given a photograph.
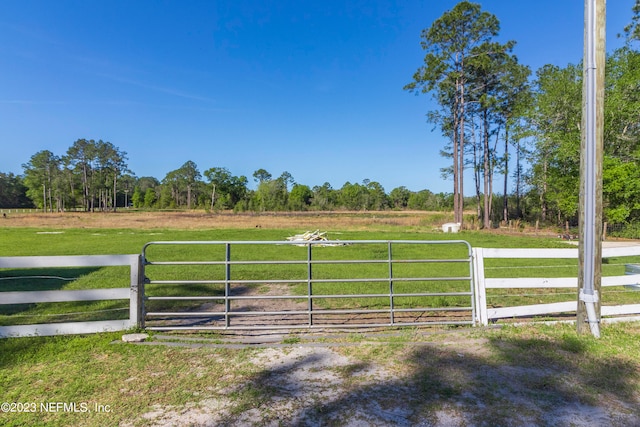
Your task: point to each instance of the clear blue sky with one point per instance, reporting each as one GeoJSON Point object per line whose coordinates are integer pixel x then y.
{"type": "Point", "coordinates": [309, 87]}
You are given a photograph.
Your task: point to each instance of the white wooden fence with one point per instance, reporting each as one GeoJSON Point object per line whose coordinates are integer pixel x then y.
{"type": "Point", "coordinates": [134, 293]}
{"type": "Point", "coordinates": [482, 283]}
{"type": "Point", "coordinates": [47, 329]}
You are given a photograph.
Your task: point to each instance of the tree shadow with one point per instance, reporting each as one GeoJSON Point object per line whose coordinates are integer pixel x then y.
{"type": "Point", "coordinates": [37, 279]}
{"type": "Point", "coordinates": [500, 382]}
{"type": "Point", "coordinates": [41, 279]}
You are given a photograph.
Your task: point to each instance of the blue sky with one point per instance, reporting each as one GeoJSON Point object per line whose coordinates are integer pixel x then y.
{"type": "Point", "coordinates": [312, 88]}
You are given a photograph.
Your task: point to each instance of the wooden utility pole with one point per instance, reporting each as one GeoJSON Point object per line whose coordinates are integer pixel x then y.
{"type": "Point", "coordinates": [591, 149]}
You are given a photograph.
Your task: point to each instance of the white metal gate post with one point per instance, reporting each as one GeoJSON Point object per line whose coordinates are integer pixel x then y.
{"type": "Point", "coordinates": [480, 288]}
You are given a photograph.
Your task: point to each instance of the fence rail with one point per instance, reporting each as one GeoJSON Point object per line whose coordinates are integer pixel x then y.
{"type": "Point", "coordinates": [482, 283]}
{"type": "Point", "coordinates": [48, 329]}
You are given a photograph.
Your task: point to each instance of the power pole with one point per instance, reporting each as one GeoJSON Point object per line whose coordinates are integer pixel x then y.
{"type": "Point", "coordinates": [591, 154]}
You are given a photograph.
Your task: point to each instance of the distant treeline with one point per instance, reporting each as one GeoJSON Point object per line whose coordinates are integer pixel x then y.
{"type": "Point", "coordinates": [94, 175]}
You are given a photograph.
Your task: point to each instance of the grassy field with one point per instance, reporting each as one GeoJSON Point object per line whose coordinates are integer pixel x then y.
{"type": "Point", "coordinates": [96, 234]}
{"type": "Point", "coordinates": [105, 233]}
{"type": "Point", "coordinates": [536, 375]}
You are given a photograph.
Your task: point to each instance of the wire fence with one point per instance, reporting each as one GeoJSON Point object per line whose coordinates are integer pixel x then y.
{"type": "Point", "coordinates": [627, 231]}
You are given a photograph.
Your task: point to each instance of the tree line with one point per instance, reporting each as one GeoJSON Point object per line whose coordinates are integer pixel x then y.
{"type": "Point", "coordinates": [94, 176]}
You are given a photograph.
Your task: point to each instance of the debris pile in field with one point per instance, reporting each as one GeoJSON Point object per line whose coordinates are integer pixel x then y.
{"type": "Point", "coordinates": [308, 236]}
{"type": "Point", "coordinates": [312, 236]}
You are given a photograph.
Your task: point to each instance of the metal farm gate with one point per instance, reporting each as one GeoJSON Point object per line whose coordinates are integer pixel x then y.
{"type": "Point", "coordinates": [250, 285]}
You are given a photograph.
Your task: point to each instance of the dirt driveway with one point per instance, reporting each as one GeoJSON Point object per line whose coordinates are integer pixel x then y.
{"type": "Point", "coordinates": [449, 377]}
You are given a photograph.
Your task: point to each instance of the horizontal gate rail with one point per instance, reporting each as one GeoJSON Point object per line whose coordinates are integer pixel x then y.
{"type": "Point", "coordinates": [372, 280]}
{"type": "Point", "coordinates": [355, 261]}
{"type": "Point", "coordinates": [412, 294]}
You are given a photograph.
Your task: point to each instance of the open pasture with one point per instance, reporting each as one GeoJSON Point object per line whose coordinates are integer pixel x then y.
{"type": "Point", "coordinates": [535, 375]}
{"type": "Point", "coordinates": [128, 232]}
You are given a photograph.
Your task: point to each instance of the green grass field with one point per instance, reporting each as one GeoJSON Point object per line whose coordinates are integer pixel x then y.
{"type": "Point", "coordinates": [30, 241]}
{"type": "Point", "coordinates": [122, 384]}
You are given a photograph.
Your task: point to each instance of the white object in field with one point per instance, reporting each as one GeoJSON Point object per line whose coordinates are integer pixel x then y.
{"type": "Point", "coordinates": [451, 227]}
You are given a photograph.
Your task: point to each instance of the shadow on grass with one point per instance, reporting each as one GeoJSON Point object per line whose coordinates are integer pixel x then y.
{"type": "Point", "coordinates": [40, 279]}
{"type": "Point", "coordinates": [36, 279]}
{"type": "Point", "coordinates": [501, 382]}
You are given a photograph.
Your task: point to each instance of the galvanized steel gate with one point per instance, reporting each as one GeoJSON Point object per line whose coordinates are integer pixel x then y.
{"type": "Point", "coordinates": [252, 285]}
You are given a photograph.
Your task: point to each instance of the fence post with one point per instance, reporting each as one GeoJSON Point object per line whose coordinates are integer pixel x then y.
{"type": "Point", "coordinates": [480, 289]}
{"type": "Point", "coordinates": [136, 304]}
